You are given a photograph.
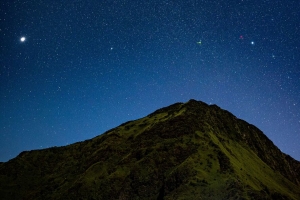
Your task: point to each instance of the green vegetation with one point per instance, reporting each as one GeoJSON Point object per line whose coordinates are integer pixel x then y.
{"type": "Point", "coordinates": [184, 151]}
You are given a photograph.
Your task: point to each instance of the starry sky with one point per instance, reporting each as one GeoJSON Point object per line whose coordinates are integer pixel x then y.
{"type": "Point", "coordinates": [72, 69]}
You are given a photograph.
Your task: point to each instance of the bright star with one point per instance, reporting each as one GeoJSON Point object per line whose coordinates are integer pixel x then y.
{"type": "Point", "coordinates": [22, 39]}
{"type": "Point", "coordinates": [252, 43]}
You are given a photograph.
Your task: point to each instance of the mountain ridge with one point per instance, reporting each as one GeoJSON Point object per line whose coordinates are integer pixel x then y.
{"type": "Point", "coordinates": [181, 151]}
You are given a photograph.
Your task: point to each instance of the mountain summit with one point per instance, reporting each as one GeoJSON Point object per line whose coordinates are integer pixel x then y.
{"type": "Point", "coordinates": [184, 151]}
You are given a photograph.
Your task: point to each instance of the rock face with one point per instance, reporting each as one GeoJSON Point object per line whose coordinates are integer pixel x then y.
{"type": "Point", "coordinates": [184, 151]}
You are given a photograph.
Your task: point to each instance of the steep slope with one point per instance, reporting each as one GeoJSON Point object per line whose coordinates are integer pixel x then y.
{"type": "Point", "coordinates": [184, 151]}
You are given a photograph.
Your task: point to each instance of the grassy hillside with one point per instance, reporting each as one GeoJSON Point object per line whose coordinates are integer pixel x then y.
{"type": "Point", "coordinates": [184, 151]}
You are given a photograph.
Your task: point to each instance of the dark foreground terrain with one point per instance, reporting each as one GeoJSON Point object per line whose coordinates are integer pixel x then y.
{"type": "Point", "coordinates": [184, 151]}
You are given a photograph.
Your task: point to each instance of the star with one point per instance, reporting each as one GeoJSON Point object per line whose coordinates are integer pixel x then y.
{"type": "Point", "coordinates": [252, 42]}
{"type": "Point", "coordinates": [22, 39]}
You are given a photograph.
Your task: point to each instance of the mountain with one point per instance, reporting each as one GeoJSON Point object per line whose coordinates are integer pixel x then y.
{"type": "Point", "coordinates": [184, 151]}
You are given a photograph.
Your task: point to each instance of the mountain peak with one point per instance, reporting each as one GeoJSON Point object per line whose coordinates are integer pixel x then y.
{"type": "Point", "coordinates": [187, 150]}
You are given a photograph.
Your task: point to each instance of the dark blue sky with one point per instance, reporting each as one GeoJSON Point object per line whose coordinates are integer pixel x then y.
{"type": "Point", "coordinates": [88, 66]}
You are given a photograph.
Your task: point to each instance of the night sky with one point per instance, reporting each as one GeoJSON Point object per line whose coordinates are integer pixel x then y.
{"type": "Point", "coordinates": [72, 69]}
